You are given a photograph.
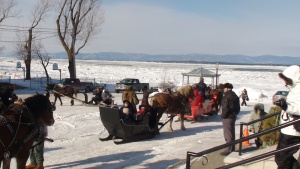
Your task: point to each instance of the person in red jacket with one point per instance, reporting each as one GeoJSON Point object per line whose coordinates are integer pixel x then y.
{"type": "Point", "coordinates": [198, 100]}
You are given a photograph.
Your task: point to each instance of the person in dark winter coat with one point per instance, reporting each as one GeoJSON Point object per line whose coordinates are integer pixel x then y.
{"type": "Point", "coordinates": [244, 97]}
{"type": "Point", "coordinates": [230, 110]}
{"type": "Point", "coordinates": [130, 95]}
{"type": "Point", "coordinates": [127, 112]}
{"type": "Point", "coordinates": [202, 87]}
{"type": "Point", "coordinates": [97, 98]}
{"type": "Point", "coordinates": [291, 110]}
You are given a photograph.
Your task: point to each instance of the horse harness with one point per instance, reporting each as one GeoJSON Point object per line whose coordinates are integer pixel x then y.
{"type": "Point", "coordinates": [16, 146]}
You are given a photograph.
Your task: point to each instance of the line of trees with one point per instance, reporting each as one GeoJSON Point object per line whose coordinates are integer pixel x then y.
{"type": "Point", "coordinates": [77, 21]}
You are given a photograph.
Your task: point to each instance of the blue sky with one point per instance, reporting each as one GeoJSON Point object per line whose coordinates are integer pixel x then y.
{"type": "Point", "coordinates": [252, 27]}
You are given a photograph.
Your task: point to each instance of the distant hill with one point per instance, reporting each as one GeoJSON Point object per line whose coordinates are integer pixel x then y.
{"type": "Point", "coordinates": [193, 58]}
{"type": "Point", "coordinates": [190, 58]}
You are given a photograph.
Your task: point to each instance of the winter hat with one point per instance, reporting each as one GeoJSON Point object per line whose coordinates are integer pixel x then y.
{"type": "Point", "coordinates": [228, 85]}
{"type": "Point", "coordinates": [291, 75]}
{"type": "Point", "coordinates": [259, 106]}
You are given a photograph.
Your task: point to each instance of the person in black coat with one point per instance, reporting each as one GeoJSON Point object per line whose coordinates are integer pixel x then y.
{"type": "Point", "coordinates": [97, 98]}
{"type": "Point", "coordinates": [230, 109]}
{"type": "Point", "coordinates": [127, 112]}
{"type": "Point", "coordinates": [202, 87]}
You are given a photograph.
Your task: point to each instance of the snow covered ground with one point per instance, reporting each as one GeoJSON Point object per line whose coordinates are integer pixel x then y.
{"type": "Point", "coordinates": [77, 128]}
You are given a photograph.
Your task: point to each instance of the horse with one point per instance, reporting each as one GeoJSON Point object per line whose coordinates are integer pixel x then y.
{"type": "Point", "coordinates": [174, 103]}
{"type": "Point", "coordinates": [19, 127]}
{"type": "Point", "coordinates": [59, 90]}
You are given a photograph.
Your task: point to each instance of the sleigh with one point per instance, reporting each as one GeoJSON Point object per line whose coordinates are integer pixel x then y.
{"type": "Point", "coordinates": [205, 110]}
{"type": "Point", "coordinates": [120, 131]}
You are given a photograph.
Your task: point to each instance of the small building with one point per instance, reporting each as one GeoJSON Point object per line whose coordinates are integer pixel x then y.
{"type": "Point", "coordinates": [202, 72]}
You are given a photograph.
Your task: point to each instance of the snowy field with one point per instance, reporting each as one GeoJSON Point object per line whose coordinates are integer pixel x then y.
{"type": "Point", "coordinates": [77, 128]}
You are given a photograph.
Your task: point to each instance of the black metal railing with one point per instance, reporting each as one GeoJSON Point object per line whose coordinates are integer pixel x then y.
{"type": "Point", "coordinates": [251, 122]}
{"type": "Point", "coordinates": [200, 154]}
{"type": "Point", "coordinates": [258, 157]}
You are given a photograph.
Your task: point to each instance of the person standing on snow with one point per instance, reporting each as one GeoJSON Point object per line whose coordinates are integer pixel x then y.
{"type": "Point", "coordinates": [37, 152]}
{"type": "Point", "coordinates": [230, 109]}
{"type": "Point", "coordinates": [291, 110]}
{"type": "Point", "coordinates": [244, 97]}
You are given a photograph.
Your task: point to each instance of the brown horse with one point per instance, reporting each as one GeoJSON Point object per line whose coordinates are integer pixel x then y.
{"type": "Point", "coordinates": [59, 91]}
{"type": "Point", "coordinates": [175, 103]}
{"type": "Point", "coordinates": [19, 128]}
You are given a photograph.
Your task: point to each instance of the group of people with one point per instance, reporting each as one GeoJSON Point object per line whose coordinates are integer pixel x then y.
{"type": "Point", "coordinates": [229, 111]}
{"type": "Point", "coordinates": [289, 135]}
{"type": "Point", "coordinates": [102, 96]}
{"type": "Point", "coordinates": [129, 113]}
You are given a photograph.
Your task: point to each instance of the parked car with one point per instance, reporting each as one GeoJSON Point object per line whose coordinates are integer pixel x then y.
{"type": "Point", "coordinates": [135, 83]}
{"type": "Point", "coordinates": [279, 95]}
{"type": "Point", "coordinates": [78, 85]}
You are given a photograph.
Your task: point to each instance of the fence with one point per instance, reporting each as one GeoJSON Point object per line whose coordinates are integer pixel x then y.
{"type": "Point", "coordinates": [5, 79]}
{"type": "Point", "coordinates": [41, 82]}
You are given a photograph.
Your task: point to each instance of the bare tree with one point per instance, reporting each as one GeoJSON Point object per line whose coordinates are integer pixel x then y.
{"type": "Point", "coordinates": [40, 54]}
{"type": "Point", "coordinates": [24, 47]}
{"type": "Point", "coordinates": [77, 22]}
{"type": "Point", "coordinates": [6, 9]}
{"type": "Point", "coordinates": [167, 85]}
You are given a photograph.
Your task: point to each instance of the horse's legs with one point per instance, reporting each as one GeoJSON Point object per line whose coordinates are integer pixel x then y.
{"type": "Point", "coordinates": [6, 163]}
{"type": "Point", "coordinates": [60, 100]}
{"type": "Point", "coordinates": [21, 160]}
{"type": "Point", "coordinates": [55, 98]}
{"type": "Point", "coordinates": [181, 121]}
{"type": "Point", "coordinates": [159, 115]}
{"type": "Point", "coordinates": [72, 102]}
{"type": "Point", "coordinates": [170, 124]}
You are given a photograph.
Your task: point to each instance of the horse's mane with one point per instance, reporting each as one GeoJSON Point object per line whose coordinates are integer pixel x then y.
{"type": "Point", "coordinates": [37, 103]}
{"type": "Point", "coordinates": [185, 90]}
